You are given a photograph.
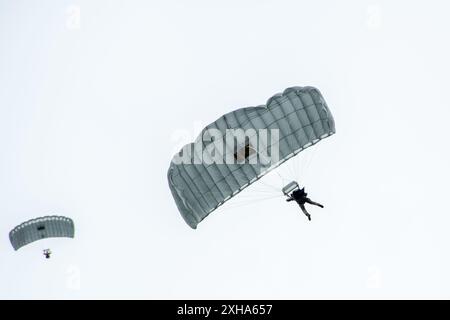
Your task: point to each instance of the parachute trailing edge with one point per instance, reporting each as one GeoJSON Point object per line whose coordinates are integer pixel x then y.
{"type": "Point", "coordinates": [302, 118]}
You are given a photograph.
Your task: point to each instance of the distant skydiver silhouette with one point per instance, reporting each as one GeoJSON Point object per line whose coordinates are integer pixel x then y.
{"type": "Point", "coordinates": [300, 196]}
{"type": "Point", "coordinates": [47, 253]}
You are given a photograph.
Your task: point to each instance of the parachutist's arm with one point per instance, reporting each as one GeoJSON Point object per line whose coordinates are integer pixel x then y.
{"type": "Point", "coordinates": [289, 199]}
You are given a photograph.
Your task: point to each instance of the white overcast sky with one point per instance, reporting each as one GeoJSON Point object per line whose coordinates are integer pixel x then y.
{"type": "Point", "coordinates": [95, 95]}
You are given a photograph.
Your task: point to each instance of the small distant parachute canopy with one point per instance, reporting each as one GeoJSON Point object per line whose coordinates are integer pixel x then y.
{"type": "Point", "coordinates": [41, 228]}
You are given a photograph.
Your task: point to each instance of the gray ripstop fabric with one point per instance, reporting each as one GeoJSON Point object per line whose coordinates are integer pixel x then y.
{"type": "Point", "coordinates": [302, 117]}
{"type": "Point", "coordinates": [41, 228]}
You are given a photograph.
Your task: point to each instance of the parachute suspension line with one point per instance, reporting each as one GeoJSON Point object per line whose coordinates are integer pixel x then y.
{"type": "Point", "coordinates": [281, 177]}
{"type": "Point", "coordinates": [295, 163]}
{"type": "Point", "coordinates": [257, 196]}
{"type": "Point", "coordinates": [286, 173]}
{"type": "Point", "coordinates": [268, 185]}
{"type": "Point", "coordinates": [292, 168]}
{"type": "Point", "coordinates": [299, 166]}
{"type": "Point", "coordinates": [285, 170]}
{"type": "Point", "coordinates": [308, 160]}
{"type": "Point", "coordinates": [249, 197]}
{"type": "Point", "coordinates": [247, 202]}
{"type": "Point", "coordinates": [261, 191]}
{"type": "Point", "coordinates": [260, 182]}
{"type": "Point", "coordinates": [274, 169]}
{"type": "Point", "coordinates": [302, 165]}
{"type": "Point", "coordinates": [253, 193]}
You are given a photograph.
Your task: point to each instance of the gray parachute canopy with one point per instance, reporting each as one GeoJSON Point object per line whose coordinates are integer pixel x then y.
{"type": "Point", "coordinates": [41, 228]}
{"type": "Point", "coordinates": [302, 118]}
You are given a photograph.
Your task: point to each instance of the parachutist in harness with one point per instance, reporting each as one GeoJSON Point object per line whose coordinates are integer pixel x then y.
{"type": "Point", "coordinates": [47, 253]}
{"type": "Point", "coordinates": [301, 197]}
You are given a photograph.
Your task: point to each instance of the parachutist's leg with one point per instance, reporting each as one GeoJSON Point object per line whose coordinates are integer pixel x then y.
{"type": "Point", "coordinates": [305, 212]}
{"type": "Point", "coordinates": [308, 200]}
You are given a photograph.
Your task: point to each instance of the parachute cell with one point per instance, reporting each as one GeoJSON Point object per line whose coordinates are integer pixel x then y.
{"type": "Point", "coordinates": [302, 118]}
{"type": "Point", "coordinates": [41, 228]}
